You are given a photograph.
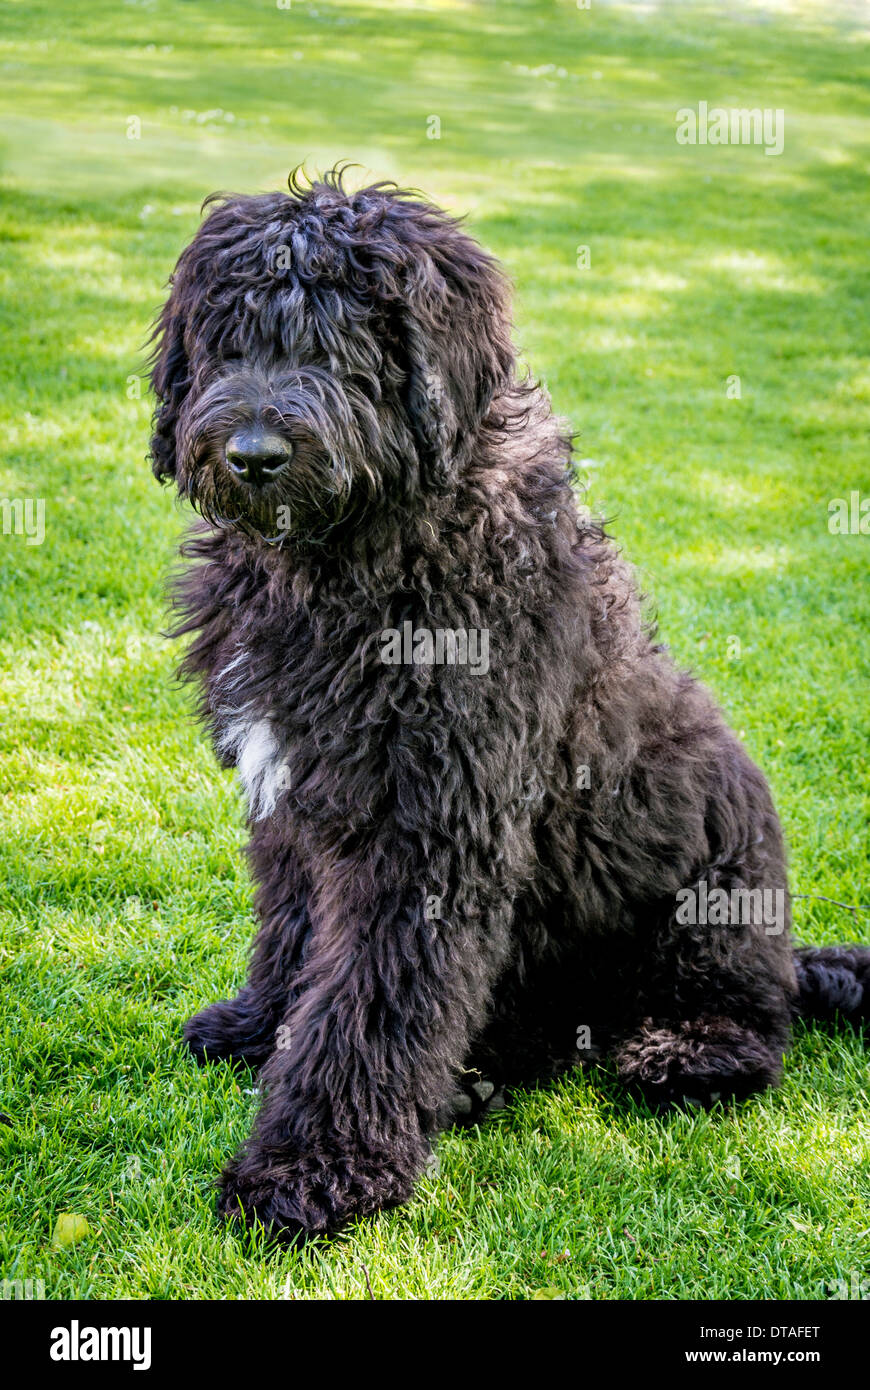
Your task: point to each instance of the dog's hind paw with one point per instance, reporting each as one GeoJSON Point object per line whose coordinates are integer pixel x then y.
{"type": "Point", "coordinates": [697, 1063]}
{"type": "Point", "coordinates": [229, 1030]}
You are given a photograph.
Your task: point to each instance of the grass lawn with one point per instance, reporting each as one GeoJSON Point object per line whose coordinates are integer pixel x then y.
{"type": "Point", "coordinates": [125, 904]}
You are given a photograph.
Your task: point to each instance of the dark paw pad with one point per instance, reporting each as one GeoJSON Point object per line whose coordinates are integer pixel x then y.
{"type": "Point", "coordinates": [475, 1099]}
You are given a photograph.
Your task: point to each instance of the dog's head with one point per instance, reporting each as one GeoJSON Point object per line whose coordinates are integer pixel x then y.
{"type": "Point", "coordinates": [323, 351]}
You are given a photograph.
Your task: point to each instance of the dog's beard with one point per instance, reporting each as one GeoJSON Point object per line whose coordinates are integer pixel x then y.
{"type": "Point", "coordinates": [308, 501]}
{"type": "Point", "coordinates": [327, 427]}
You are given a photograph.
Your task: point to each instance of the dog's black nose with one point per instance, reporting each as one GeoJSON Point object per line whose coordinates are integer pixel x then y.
{"type": "Point", "coordinates": [257, 455]}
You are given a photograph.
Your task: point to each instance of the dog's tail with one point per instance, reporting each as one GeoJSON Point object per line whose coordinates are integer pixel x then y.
{"type": "Point", "coordinates": [833, 983]}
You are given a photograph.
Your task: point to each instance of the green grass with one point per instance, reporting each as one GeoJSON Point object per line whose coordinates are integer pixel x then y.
{"type": "Point", "coordinates": [125, 902]}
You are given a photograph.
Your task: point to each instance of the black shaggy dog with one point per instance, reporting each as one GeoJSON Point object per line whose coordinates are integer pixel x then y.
{"type": "Point", "coordinates": [494, 831]}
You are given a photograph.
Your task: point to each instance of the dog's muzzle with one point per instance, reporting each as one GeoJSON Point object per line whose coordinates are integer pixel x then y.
{"type": "Point", "coordinates": [257, 456]}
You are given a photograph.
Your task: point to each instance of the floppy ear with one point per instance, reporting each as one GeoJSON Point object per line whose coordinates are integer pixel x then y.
{"type": "Point", "coordinates": [460, 357]}
{"type": "Point", "coordinates": [430, 408]}
{"type": "Point", "coordinates": [169, 382]}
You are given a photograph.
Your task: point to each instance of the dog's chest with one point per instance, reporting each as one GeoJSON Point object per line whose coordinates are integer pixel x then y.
{"type": "Point", "coordinates": [250, 741]}
{"type": "Point", "coordinates": [294, 728]}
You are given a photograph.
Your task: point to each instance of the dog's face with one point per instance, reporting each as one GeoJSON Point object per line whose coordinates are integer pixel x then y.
{"type": "Point", "coordinates": [322, 353]}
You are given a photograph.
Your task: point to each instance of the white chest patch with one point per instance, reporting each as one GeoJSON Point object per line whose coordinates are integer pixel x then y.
{"type": "Point", "coordinates": [249, 740]}
{"type": "Point", "coordinates": [253, 744]}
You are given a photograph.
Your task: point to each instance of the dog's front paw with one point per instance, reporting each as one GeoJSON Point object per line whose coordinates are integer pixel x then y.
{"type": "Point", "coordinates": [293, 1197]}
{"type": "Point", "coordinates": [274, 1196]}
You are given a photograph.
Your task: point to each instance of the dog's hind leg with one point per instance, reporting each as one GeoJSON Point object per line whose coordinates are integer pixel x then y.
{"type": "Point", "coordinates": [715, 1007]}
{"type": "Point", "coordinates": [247, 1028]}
{"type": "Point", "coordinates": [698, 1061]}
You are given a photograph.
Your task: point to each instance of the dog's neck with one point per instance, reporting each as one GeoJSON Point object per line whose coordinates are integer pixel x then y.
{"type": "Point", "coordinates": [403, 548]}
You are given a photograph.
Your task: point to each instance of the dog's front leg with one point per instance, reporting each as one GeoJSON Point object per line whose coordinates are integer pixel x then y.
{"type": "Point", "coordinates": [408, 939]}
{"type": "Point", "coordinates": [245, 1029]}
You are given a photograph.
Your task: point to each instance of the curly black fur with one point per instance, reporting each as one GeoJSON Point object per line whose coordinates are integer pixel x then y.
{"type": "Point", "coordinates": [457, 869]}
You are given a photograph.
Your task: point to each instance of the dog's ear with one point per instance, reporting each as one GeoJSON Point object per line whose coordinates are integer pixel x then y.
{"type": "Point", "coordinates": [457, 341]}
{"type": "Point", "coordinates": [169, 382]}
{"type": "Point", "coordinates": [427, 395]}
